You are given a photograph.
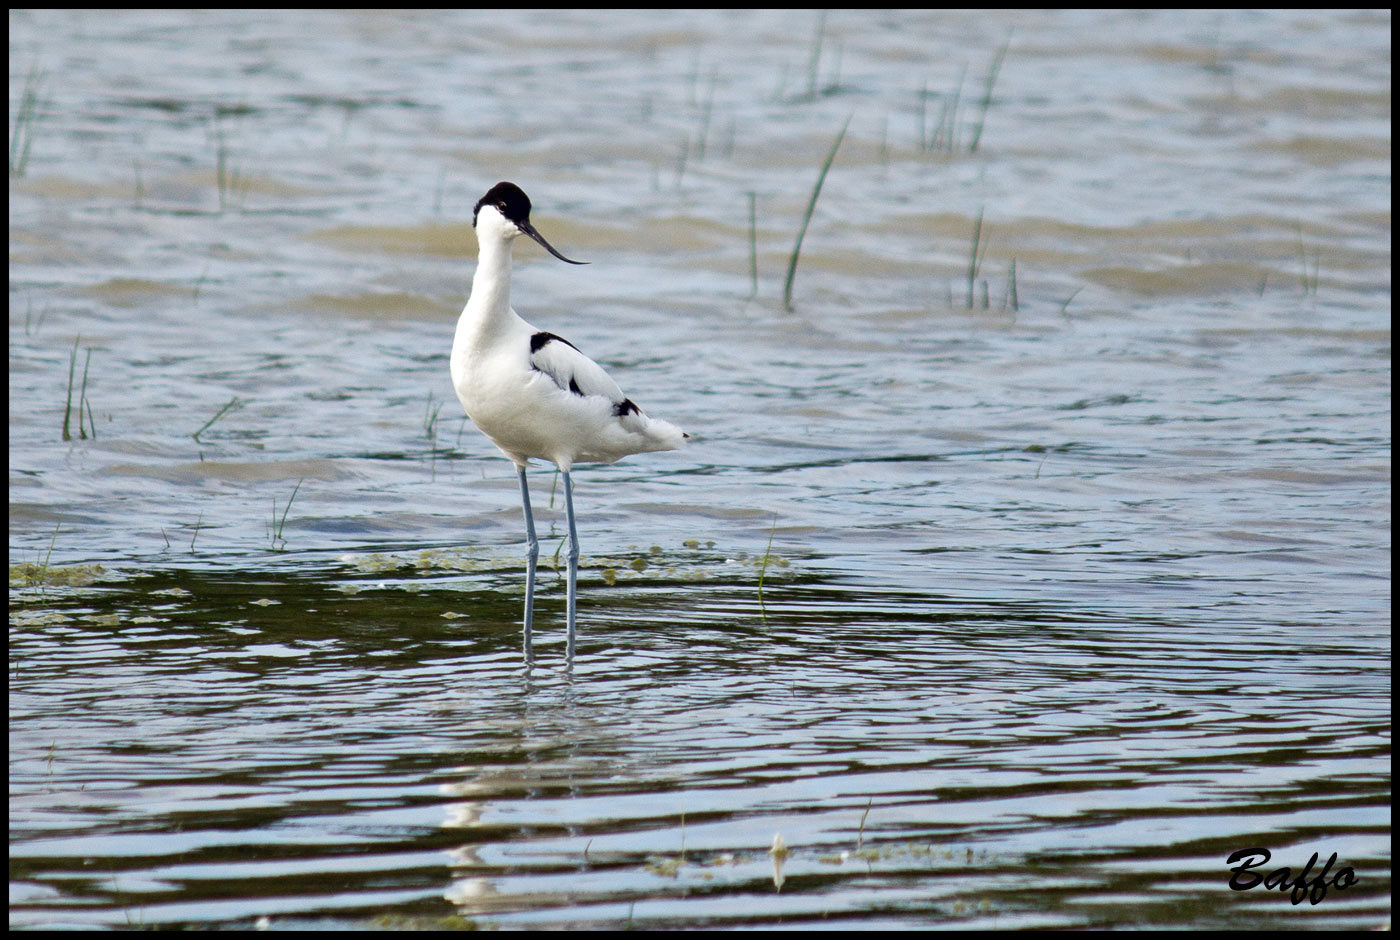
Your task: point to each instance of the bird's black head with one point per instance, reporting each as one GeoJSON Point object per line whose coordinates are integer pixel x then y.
{"type": "Point", "coordinates": [514, 206]}
{"type": "Point", "coordinates": [509, 199]}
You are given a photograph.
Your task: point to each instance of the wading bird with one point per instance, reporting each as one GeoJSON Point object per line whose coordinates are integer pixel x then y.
{"type": "Point", "coordinates": [532, 392]}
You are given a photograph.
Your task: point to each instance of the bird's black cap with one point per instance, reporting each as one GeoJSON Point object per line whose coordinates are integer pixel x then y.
{"type": "Point", "coordinates": [509, 199]}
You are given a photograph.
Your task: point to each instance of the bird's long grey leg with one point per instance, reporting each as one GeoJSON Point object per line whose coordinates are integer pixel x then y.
{"type": "Point", "coordinates": [573, 559]}
{"type": "Point", "coordinates": [532, 555]}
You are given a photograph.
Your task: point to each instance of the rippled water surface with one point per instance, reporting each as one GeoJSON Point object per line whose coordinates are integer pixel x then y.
{"type": "Point", "coordinates": [1035, 559]}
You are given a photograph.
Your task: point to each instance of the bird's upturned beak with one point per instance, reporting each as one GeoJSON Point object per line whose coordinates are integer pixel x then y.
{"type": "Point", "coordinates": [529, 229]}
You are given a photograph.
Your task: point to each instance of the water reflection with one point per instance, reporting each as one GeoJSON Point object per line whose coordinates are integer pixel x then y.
{"type": "Point", "coordinates": [885, 734]}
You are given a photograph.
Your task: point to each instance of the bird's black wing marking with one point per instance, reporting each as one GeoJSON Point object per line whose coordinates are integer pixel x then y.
{"type": "Point", "coordinates": [542, 337]}
{"type": "Point", "coordinates": [574, 372]}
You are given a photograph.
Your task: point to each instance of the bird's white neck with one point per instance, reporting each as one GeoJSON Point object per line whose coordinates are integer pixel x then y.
{"type": "Point", "coordinates": [490, 297]}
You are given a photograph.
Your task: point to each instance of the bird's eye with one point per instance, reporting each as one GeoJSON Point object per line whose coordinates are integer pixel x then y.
{"type": "Point", "coordinates": [502, 207]}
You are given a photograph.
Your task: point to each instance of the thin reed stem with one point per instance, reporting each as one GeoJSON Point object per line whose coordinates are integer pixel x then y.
{"type": "Point", "coordinates": [816, 57]}
{"type": "Point", "coordinates": [231, 405]}
{"type": "Point", "coordinates": [753, 245]}
{"type": "Point", "coordinates": [986, 101]}
{"type": "Point", "coordinates": [68, 405]}
{"type": "Point", "coordinates": [811, 207]}
{"type": "Point", "coordinates": [974, 262]}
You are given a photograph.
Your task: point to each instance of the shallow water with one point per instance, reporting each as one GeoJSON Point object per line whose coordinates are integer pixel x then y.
{"type": "Point", "coordinates": [1024, 613]}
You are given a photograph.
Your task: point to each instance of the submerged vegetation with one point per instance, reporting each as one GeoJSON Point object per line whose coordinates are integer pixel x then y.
{"type": "Point", "coordinates": [956, 129]}
{"type": "Point", "coordinates": [807, 217]}
{"type": "Point", "coordinates": [230, 181]}
{"type": "Point", "coordinates": [232, 404]}
{"type": "Point", "coordinates": [693, 560]}
{"type": "Point", "coordinates": [30, 574]}
{"type": "Point", "coordinates": [768, 864]}
{"type": "Point", "coordinates": [276, 525]}
{"type": "Point", "coordinates": [763, 567]}
{"type": "Point", "coordinates": [974, 269]}
{"type": "Point", "coordinates": [1307, 277]}
{"type": "Point", "coordinates": [84, 407]}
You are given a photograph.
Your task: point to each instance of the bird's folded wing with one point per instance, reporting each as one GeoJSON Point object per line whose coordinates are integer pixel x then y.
{"type": "Point", "coordinates": [570, 369]}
